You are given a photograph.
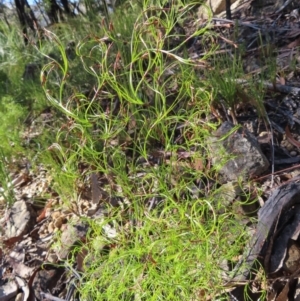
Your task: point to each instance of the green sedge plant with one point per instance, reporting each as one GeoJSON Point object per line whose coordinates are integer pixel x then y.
{"type": "Point", "coordinates": [142, 100]}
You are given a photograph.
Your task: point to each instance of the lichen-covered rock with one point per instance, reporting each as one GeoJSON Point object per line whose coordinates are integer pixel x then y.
{"type": "Point", "coordinates": [21, 218]}
{"type": "Point", "coordinates": [74, 232]}
{"type": "Point", "coordinates": [236, 153]}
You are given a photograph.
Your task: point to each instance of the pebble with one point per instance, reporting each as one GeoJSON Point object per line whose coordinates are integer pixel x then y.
{"type": "Point", "coordinates": [50, 227]}
{"type": "Point", "coordinates": [48, 212]}
{"type": "Point", "coordinates": [54, 202]}
{"type": "Point", "coordinates": [293, 153]}
{"type": "Point", "coordinates": [55, 215]}
{"type": "Point", "coordinates": [52, 258]}
{"type": "Point", "coordinates": [58, 222]}
{"type": "Point", "coordinates": [20, 219]}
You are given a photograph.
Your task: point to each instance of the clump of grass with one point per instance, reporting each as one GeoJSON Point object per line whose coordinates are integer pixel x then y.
{"type": "Point", "coordinates": [11, 115]}
{"type": "Point", "coordinates": [233, 88]}
{"type": "Point", "coordinates": [6, 189]}
{"type": "Point", "coordinates": [140, 121]}
{"type": "Point", "coordinates": [169, 254]}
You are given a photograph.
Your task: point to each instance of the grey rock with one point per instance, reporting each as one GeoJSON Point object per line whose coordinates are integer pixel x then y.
{"type": "Point", "coordinates": [225, 195]}
{"type": "Point", "coordinates": [70, 236]}
{"type": "Point", "coordinates": [241, 152]}
{"type": "Point", "coordinates": [20, 219]}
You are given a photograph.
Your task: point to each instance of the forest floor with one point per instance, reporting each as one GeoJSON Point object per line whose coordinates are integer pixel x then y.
{"type": "Point", "coordinates": [122, 198]}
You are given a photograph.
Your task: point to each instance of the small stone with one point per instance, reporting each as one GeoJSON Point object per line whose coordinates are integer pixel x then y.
{"type": "Point", "coordinates": [48, 212]}
{"type": "Point", "coordinates": [287, 145]}
{"type": "Point", "coordinates": [236, 153]}
{"type": "Point", "coordinates": [50, 227]}
{"type": "Point", "coordinates": [54, 202]}
{"type": "Point", "coordinates": [70, 236]}
{"type": "Point", "coordinates": [58, 222]}
{"type": "Point", "coordinates": [292, 262]}
{"type": "Point", "coordinates": [20, 219]}
{"type": "Point", "coordinates": [225, 196]}
{"type": "Point", "coordinates": [55, 214]}
{"type": "Point", "coordinates": [52, 258]}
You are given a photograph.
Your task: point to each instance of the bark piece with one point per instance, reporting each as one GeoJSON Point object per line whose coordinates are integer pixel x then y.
{"type": "Point", "coordinates": [8, 291]}
{"type": "Point", "coordinates": [297, 291]}
{"type": "Point", "coordinates": [44, 281]}
{"type": "Point", "coordinates": [283, 243]}
{"type": "Point", "coordinates": [281, 200]}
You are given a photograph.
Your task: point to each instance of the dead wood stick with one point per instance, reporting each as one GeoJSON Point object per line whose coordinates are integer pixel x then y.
{"type": "Point", "coordinates": [247, 24]}
{"type": "Point", "coordinates": [277, 87]}
{"type": "Point", "coordinates": [50, 297]}
{"type": "Point", "coordinates": [228, 9]}
{"type": "Point", "coordinates": [282, 88]}
{"type": "Point", "coordinates": [281, 8]}
{"type": "Point", "coordinates": [292, 160]}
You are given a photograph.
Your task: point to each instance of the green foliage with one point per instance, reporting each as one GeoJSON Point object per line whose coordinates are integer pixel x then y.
{"type": "Point", "coordinates": [124, 92]}
{"type": "Point", "coordinates": [223, 78]}
{"type": "Point", "coordinates": [6, 189]}
{"type": "Point", "coordinates": [11, 115]}
{"type": "Point", "coordinates": [125, 95]}
{"type": "Point", "coordinates": [162, 255]}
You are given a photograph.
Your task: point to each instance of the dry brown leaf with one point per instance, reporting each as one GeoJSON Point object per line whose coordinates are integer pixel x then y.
{"type": "Point", "coordinates": [290, 138]}
{"type": "Point", "coordinates": [30, 282]}
{"type": "Point", "coordinates": [283, 296]}
{"type": "Point", "coordinates": [293, 33]}
{"type": "Point", "coordinates": [11, 241]}
{"type": "Point", "coordinates": [281, 80]}
{"type": "Point", "coordinates": [16, 261]}
{"type": "Point", "coordinates": [198, 164]}
{"type": "Point", "coordinates": [20, 180]}
{"type": "Point", "coordinates": [96, 192]}
{"type": "Point", "coordinates": [44, 211]}
{"type": "Point", "coordinates": [294, 43]}
{"type": "Point", "coordinates": [80, 259]}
